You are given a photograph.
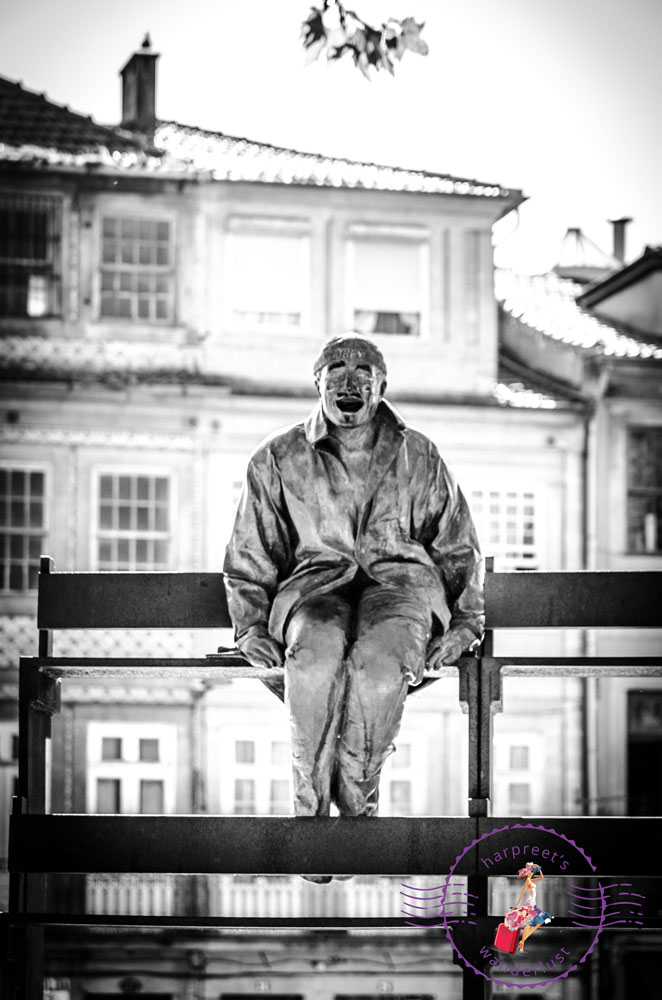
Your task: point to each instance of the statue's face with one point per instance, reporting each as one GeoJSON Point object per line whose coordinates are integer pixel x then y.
{"type": "Point", "coordinates": [350, 391]}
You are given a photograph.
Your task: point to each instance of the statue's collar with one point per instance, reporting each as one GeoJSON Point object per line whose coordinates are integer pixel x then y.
{"type": "Point", "coordinates": [317, 428]}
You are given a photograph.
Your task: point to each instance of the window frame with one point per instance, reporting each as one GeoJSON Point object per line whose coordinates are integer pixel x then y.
{"type": "Point", "coordinates": [137, 213]}
{"type": "Point", "coordinates": [405, 783]}
{"type": "Point", "coordinates": [57, 263]}
{"type": "Point", "coordinates": [262, 771]}
{"type": "Point", "coordinates": [276, 226]}
{"type": "Point", "coordinates": [505, 561]}
{"type": "Point", "coordinates": [30, 467]}
{"type": "Point", "coordinates": [527, 808]}
{"type": "Point", "coordinates": [151, 472]}
{"type": "Point", "coordinates": [410, 235]}
{"type": "Point", "coordinates": [412, 769]}
{"type": "Point", "coordinates": [641, 491]}
{"type": "Point", "coordinates": [130, 770]}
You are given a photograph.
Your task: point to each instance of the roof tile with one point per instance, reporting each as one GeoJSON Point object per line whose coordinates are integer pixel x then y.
{"type": "Point", "coordinates": [547, 302]}
{"type": "Point", "coordinates": [236, 158]}
{"type": "Point", "coordinates": [28, 119]}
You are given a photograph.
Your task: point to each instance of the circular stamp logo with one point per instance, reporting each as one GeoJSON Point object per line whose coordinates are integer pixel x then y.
{"type": "Point", "coordinates": [504, 851]}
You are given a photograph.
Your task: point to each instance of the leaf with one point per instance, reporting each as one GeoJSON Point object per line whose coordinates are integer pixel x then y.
{"type": "Point", "coordinates": [411, 36]}
{"type": "Point", "coordinates": [314, 50]}
{"type": "Point", "coordinates": [312, 29]}
{"type": "Point", "coordinates": [343, 31]}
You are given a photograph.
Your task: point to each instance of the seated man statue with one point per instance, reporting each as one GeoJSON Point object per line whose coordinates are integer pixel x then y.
{"type": "Point", "coordinates": [353, 562]}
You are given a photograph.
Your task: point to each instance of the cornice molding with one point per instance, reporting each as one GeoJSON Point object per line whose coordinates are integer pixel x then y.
{"type": "Point", "coordinates": [97, 437]}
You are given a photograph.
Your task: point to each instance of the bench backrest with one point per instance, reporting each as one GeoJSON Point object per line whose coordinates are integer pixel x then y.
{"type": "Point", "coordinates": [197, 600]}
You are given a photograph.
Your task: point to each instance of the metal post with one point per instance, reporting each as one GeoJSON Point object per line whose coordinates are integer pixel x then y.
{"type": "Point", "coordinates": [39, 700]}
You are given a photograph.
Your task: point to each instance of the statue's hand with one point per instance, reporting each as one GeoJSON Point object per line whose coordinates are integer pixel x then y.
{"type": "Point", "coordinates": [444, 650]}
{"type": "Point", "coordinates": [262, 651]}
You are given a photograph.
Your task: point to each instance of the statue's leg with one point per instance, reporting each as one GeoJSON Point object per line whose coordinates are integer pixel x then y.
{"type": "Point", "coordinates": [315, 680]}
{"type": "Point", "coordinates": [392, 634]}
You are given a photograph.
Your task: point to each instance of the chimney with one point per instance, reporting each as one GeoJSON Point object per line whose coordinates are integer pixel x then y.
{"type": "Point", "coordinates": [619, 227]}
{"type": "Point", "coordinates": [139, 90]}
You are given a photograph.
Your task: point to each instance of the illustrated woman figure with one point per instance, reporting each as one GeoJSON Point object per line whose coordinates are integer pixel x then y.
{"type": "Point", "coordinates": [526, 914]}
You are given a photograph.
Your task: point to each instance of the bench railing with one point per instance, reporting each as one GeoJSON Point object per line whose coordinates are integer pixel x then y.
{"type": "Point", "coordinates": [42, 843]}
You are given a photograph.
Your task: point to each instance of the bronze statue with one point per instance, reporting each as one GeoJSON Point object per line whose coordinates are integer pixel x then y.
{"type": "Point", "coordinates": [353, 561]}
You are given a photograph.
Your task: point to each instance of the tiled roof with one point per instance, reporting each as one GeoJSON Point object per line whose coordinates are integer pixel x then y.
{"type": "Point", "coordinates": [547, 302]}
{"type": "Point", "coordinates": [232, 158]}
{"type": "Point", "coordinates": [649, 261]}
{"type": "Point", "coordinates": [35, 129]}
{"type": "Point", "coordinates": [32, 121]}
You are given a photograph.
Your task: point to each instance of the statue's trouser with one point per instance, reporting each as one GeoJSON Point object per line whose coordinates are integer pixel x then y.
{"type": "Point", "coordinates": [347, 669]}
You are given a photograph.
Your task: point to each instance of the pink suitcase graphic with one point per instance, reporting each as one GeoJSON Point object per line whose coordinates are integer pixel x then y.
{"type": "Point", "coordinates": [506, 940]}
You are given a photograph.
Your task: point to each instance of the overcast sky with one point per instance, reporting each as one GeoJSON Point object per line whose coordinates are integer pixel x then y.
{"type": "Point", "coordinates": [559, 98]}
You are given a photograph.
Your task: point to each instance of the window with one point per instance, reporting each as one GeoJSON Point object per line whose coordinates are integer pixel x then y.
{"type": "Point", "coordinates": [131, 767]}
{"type": "Point", "coordinates": [148, 750]}
{"type": "Point", "coordinates": [400, 798]}
{"type": "Point", "coordinates": [244, 752]}
{"type": "Point", "coordinates": [644, 505]}
{"type": "Point", "coordinates": [133, 522]}
{"type": "Point", "coordinates": [137, 272]}
{"type": "Point", "coordinates": [269, 273]}
{"type": "Point", "coordinates": [280, 753]}
{"type": "Point", "coordinates": [151, 796]}
{"type": "Point", "coordinates": [30, 243]}
{"type": "Point", "coordinates": [388, 280]}
{"type": "Point", "coordinates": [402, 755]}
{"type": "Point", "coordinates": [22, 528]}
{"type": "Point", "coordinates": [506, 523]}
{"type": "Point", "coordinates": [258, 777]}
{"type": "Point", "coordinates": [519, 758]}
{"type": "Point", "coordinates": [108, 795]}
{"type": "Point", "coordinates": [279, 797]}
{"type": "Point", "coordinates": [244, 796]}
{"type": "Point", "coordinates": [644, 756]}
{"type": "Point", "coordinates": [519, 795]}
{"type": "Point", "coordinates": [111, 748]}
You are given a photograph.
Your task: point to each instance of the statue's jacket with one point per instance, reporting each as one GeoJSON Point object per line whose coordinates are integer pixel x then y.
{"type": "Point", "coordinates": [294, 536]}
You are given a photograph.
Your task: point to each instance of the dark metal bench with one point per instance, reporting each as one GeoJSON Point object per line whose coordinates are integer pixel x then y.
{"type": "Point", "coordinates": [41, 843]}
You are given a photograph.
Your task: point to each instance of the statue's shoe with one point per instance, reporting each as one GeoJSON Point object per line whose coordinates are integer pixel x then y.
{"type": "Point", "coordinates": [325, 879]}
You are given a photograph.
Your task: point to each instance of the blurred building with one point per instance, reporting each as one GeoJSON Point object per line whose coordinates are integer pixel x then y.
{"type": "Point", "coordinates": [163, 292]}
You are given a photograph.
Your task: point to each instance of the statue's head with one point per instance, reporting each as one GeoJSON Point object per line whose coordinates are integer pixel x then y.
{"type": "Point", "coordinates": [350, 375]}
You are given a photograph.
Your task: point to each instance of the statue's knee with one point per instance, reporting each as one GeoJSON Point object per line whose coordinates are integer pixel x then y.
{"type": "Point", "coordinates": [317, 648]}
{"type": "Point", "coordinates": [374, 666]}
{"type": "Point", "coordinates": [379, 661]}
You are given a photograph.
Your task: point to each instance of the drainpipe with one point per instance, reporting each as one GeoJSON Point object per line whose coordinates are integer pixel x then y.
{"type": "Point", "coordinates": [197, 896]}
{"type": "Point", "coordinates": [590, 686]}
{"type": "Point", "coordinates": [588, 693]}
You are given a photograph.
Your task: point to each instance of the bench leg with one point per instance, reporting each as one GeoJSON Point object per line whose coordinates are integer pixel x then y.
{"type": "Point", "coordinates": [39, 700]}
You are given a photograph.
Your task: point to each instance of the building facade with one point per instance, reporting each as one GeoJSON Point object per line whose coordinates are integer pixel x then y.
{"type": "Point", "coordinates": [163, 292]}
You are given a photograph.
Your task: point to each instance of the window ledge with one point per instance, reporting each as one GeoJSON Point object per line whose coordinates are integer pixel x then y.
{"type": "Point", "coordinates": [166, 333]}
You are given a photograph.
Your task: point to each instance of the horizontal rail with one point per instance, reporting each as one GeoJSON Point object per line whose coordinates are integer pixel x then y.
{"type": "Point", "coordinates": [606, 599]}
{"type": "Point", "coordinates": [211, 666]}
{"type": "Point", "coordinates": [284, 845]}
{"type": "Point", "coordinates": [230, 666]}
{"type": "Point", "coordinates": [484, 924]}
{"type": "Point", "coordinates": [235, 844]}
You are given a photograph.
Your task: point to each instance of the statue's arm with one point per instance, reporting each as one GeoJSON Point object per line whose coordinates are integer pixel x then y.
{"type": "Point", "coordinates": [452, 543]}
{"type": "Point", "coordinates": [255, 561]}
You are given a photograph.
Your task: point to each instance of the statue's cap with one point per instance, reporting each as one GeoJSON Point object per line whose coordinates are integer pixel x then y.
{"type": "Point", "coordinates": [350, 345]}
